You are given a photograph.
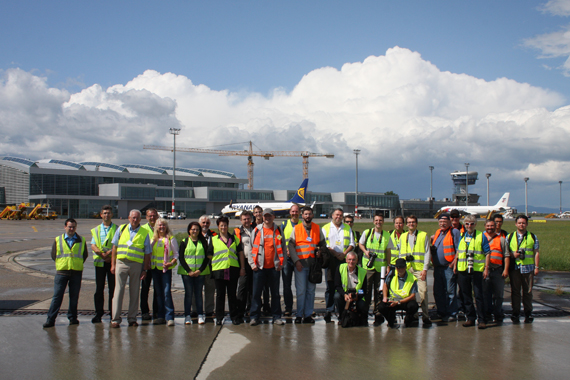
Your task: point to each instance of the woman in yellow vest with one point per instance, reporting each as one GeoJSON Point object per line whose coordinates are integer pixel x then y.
{"type": "Point", "coordinates": [193, 269]}
{"type": "Point", "coordinates": [164, 257]}
{"type": "Point", "coordinates": [228, 265]}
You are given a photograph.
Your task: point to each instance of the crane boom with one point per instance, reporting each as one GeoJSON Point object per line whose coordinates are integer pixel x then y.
{"type": "Point", "coordinates": [250, 153]}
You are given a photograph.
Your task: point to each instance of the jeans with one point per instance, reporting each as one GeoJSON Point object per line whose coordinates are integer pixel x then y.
{"type": "Point", "coordinates": [287, 275]}
{"type": "Point", "coordinates": [493, 292]}
{"type": "Point", "coordinates": [60, 283]}
{"type": "Point", "coordinates": [145, 290]}
{"type": "Point", "coordinates": [469, 284]}
{"type": "Point", "coordinates": [261, 278]}
{"type": "Point", "coordinates": [305, 293]}
{"type": "Point", "coordinates": [100, 274]}
{"type": "Point", "coordinates": [162, 286]}
{"type": "Point", "coordinates": [444, 291]}
{"type": "Point", "coordinates": [245, 291]}
{"type": "Point", "coordinates": [193, 287]}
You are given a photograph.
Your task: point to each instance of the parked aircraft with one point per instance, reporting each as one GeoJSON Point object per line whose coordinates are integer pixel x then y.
{"type": "Point", "coordinates": [502, 205]}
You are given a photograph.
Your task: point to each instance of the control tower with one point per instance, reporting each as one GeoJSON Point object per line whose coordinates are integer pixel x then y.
{"type": "Point", "coordinates": [460, 181]}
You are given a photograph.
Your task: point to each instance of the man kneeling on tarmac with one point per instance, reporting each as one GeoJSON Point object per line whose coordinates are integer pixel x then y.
{"type": "Point", "coordinates": [350, 283]}
{"type": "Point", "coordinates": [402, 287]}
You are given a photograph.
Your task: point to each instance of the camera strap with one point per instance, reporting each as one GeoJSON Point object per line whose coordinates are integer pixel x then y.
{"type": "Point", "coordinates": [371, 237]}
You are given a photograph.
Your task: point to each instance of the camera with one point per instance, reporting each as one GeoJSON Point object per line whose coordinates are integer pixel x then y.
{"type": "Point", "coordinates": [371, 258]}
{"type": "Point", "coordinates": [521, 253]}
{"type": "Point", "coordinates": [470, 261]}
{"type": "Point", "coordinates": [409, 258]}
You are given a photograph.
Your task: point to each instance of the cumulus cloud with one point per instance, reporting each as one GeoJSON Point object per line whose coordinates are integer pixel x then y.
{"type": "Point", "coordinates": [557, 7]}
{"type": "Point", "coordinates": [400, 110]}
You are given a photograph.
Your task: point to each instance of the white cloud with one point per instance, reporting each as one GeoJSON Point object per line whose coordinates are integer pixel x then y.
{"type": "Point", "coordinates": [400, 110]}
{"type": "Point", "coordinates": [557, 7]}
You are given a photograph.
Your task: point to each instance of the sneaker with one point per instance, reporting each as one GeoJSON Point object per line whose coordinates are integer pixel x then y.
{"type": "Point", "coordinates": [278, 321]}
{"type": "Point", "coordinates": [188, 320]}
{"type": "Point", "coordinates": [48, 324]}
{"type": "Point", "coordinates": [159, 321]}
{"type": "Point", "coordinates": [170, 322]}
{"type": "Point", "coordinates": [201, 319]}
{"type": "Point", "coordinates": [328, 317]}
{"type": "Point", "coordinates": [146, 317]}
{"type": "Point", "coordinates": [309, 320]}
{"type": "Point", "coordinates": [254, 322]}
{"type": "Point", "coordinates": [73, 321]}
{"type": "Point", "coordinates": [298, 320]}
{"type": "Point", "coordinates": [453, 318]}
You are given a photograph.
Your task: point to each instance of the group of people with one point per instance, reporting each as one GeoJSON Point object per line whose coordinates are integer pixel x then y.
{"type": "Point", "coordinates": [250, 262]}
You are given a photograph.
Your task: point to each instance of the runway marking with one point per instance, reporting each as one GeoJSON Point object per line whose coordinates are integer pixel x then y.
{"type": "Point", "coordinates": [34, 228]}
{"type": "Point", "coordinates": [226, 345]}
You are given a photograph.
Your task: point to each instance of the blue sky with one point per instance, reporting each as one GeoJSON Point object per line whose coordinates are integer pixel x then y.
{"type": "Point", "coordinates": [271, 54]}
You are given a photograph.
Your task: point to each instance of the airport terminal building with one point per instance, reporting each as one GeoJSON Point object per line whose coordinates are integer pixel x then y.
{"type": "Point", "coordinates": [79, 189]}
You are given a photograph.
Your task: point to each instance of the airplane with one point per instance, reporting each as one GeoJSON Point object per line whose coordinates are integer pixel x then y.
{"type": "Point", "coordinates": [502, 205]}
{"type": "Point", "coordinates": [279, 208]}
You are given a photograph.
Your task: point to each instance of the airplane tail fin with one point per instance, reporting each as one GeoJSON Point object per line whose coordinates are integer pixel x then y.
{"type": "Point", "coordinates": [299, 197]}
{"type": "Point", "coordinates": [504, 201]}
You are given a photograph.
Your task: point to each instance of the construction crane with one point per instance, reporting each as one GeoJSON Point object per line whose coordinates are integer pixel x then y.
{"type": "Point", "coordinates": [250, 154]}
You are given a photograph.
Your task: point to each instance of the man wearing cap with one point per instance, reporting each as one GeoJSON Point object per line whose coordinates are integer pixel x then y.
{"type": "Point", "coordinates": [399, 293]}
{"type": "Point", "coordinates": [443, 252]}
{"type": "Point", "coordinates": [266, 261]}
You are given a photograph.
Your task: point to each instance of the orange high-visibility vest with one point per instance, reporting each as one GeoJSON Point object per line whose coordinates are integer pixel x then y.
{"type": "Point", "coordinates": [305, 245]}
{"type": "Point", "coordinates": [448, 246]}
{"type": "Point", "coordinates": [495, 246]}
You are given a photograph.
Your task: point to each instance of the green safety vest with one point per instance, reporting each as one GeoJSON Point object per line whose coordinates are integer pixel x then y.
{"type": "Point", "coordinates": [288, 229]}
{"type": "Point", "coordinates": [194, 256]}
{"type": "Point", "coordinates": [398, 294]}
{"type": "Point", "coordinates": [136, 251]}
{"type": "Point", "coordinates": [158, 254]}
{"type": "Point", "coordinates": [68, 258]}
{"type": "Point", "coordinates": [418, 252]}
{"type": "Point", "coordinates": [396, 243]}
{"type": "Point", "coordinates": [378, 247]}
{"type": "Point", "coordinates": [475, 246]}
{"type": "Point", "coordinates": [105, 246]}
{"type": "Point", "coordinates": [346, 233]}
{"type": "Point", "coordinates": [224, 257]}
{"type": "Point", "coordinates": [527, 245]}
{"type": "Point", "coordinates": [361, 273]}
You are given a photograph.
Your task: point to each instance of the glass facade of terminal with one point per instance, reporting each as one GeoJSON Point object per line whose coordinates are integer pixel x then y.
{"type": "Point", "coordinates": [379, 201]}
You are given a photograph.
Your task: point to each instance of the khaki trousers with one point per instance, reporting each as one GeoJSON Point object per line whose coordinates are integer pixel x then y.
{"type": "Point", "coordinates": [131, 271]}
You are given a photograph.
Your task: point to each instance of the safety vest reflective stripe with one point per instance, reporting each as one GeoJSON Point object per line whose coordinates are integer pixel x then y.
{"type": "Point", "coordinates": [418, 252]}
{"type": "Point", "coordinates": [259, 244]}
{"type": "Point", "coordinates": [346, 234]}
{"type": "Point", "coordinates": [527, 245]}
{"type": "Point", "coordinates": [496, 254]}
{"type": "Point", "coordinates": [158, 254]}
{"type": "Point", "coordinates": [378, 247]}
{"type": "Point", "coordinates": [224, 257]}
{"type": "Point", "coordinates": [475, 246]}
{"type": "Point", "coordinates": [399, 294]}
{"type": "Point", "coordinates": [96, 233]}
{"type": "Point", "coordinates": [194, 256]}
{"type": "Point", "coordinates": [303, 246]}
{"type": "Point", "coordinates": [448, 244]}
{"type": "Point", "coordinates": [69, 258]}
{"type": "Point", "coordinates": [396, 242]}
{"type": "Point", "coordinates": [135, 252]}
{"type": "Point", "coordinates": [360, 273]}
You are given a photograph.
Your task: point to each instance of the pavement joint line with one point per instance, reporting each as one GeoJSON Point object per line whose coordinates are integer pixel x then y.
{"type": "Point", "coordinates": [208, 352]}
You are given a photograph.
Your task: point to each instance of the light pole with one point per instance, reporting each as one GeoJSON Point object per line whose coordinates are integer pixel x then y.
{"type": "Point", "coordinates": [560, 182]}
{"type": "Point", "coordinates": [356, 153]}
{"type": "Point", "coordinates": [488, 175]}
{"type": "Point", "coordinates": [174, 132]}
{"type": "Point", "coordinates": [526, 195]}
{"type": "Point", "coordinates": [431, 182]}
{"type": "Point", "coordinates": [467, 184]}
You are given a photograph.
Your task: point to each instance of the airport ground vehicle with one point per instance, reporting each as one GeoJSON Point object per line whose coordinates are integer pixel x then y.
{"type": "Point", "coordinates": [27, 210]}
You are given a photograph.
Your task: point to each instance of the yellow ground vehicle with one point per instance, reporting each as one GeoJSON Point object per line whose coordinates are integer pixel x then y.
{"type": "Point", "coordinates": [27, 210]}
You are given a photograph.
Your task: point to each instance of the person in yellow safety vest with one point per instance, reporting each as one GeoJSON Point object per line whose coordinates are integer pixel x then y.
{"type": "Point", "coordinates": [69, 251]}
{"type": "Point", "coordinates": [305, 244]}
{"type": "Point", "coordinates": [151, 217]}
{"type": "Point", "coordinates": [395, 236]}
{"type": "Point", "coordinates": [288, 268]}
{"type": "Point", "coordinates": [414, 248]}
{"type": "Point", "coordinates": [399, 292]}
{"type": "Point", "coordinates": [164, 258]}
{"type": "Point", "coordinates": [266, 261]}
{"type": "Point", "coordinates": [131, 260]}
{"type": "Point", "coordinates": [524, 249]}
{"type": "Point", "coordinates": [194, 267]}
{"type": "Point", "coordinates": [350, 283]}
{"type": "Point", "coordinates": [375, 241]}
{"type": "Point", "coordinates": [228, 264]}
{"type": "Point", "coordinates": [101, 246]}
{"type": "Point", "coordinates": [496, 270]}
{"type": "Point", "coordinates": [470, 269]}
{"type": "Point", "coordinates": [340, 241]}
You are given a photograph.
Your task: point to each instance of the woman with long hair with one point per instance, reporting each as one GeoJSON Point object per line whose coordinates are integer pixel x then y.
{"type": "Point", "coordinates": [194, 266]}
{"type": "Point", "coordinates": [228, 264]}
{"type": "Point", "coordinates": [164, 258]}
